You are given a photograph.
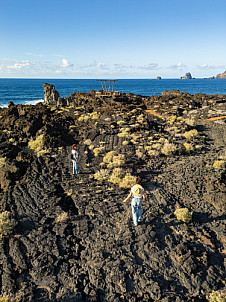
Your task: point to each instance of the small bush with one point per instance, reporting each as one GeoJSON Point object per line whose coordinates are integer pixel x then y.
{"type": "Point", "coordinates": [63, 217]}
{"type": "Point", "coordinates": [117, 161]}
{"type": "Point", "coordinates": [94, 116]}
{"type": "Point", "coordinates": [191, 134]}
{"type": "Point", "coordinates": [217, 164]}
{"type": "Point", "coordinates": [125, 143]}
{"type": "Point", "coordinates": [83, 118]}
{"type": "Point", "coordinates": [109, 156]}
{"type": "Point", "coordinates": [2, 162]}
{"type": "Point", "coordinates": [139, 154]}
{"type": "Point", "coordinates": [98, 151]}
{"type": "Point", "coordinates": [101, 175]}
{"type": "Point", "coordinates": [153, 153]}
{"type": "Point", "coordinates": [114, 160]}
{"type": "Point", "coordinates": [217, 296]}
{"type": "Point", "coordinates": [183, 214]}
{"type": "Point", "coordinates": [188, 147]}
{"type": "Point", "coordinates": [8, 298]}
{"type": "Point", "coordinates": [128, 181]}
{"type": "Point", "coordinates": [168, 148]}
{"type": "Point", "coordinates": [6, 224]}
{"type": "Point", "coordinates": [36, 144]}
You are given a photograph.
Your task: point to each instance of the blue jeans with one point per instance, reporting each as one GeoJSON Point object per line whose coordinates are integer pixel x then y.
{"type": "Point", "coordinates": [136, 209]}
{"type": "Point", "coordinates": [75, 166]}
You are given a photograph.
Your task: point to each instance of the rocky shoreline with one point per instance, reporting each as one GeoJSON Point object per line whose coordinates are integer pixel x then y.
{"type": "Point", "coordinates": [68, 238]}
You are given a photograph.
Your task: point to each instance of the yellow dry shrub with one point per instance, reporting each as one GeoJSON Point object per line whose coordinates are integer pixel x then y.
{"type": "Point", "coordinates": [37, 143]}
{"type": "Point", "coordinates": [183, 214]}
{"type": "Point", "coordinates": [94, 115]}
{"type": "Point", "coordinates": [98, 151]}
{"type": "Point", "coordinates": [153, 152]}
{"type": "Point", "coordinates": [109, 156]}
{"type": "Point", "coordinates": [139, 154]}
{"type": "Point", "coordinates": [101, 175]}
{"type": "Point", "coordinates": [61, 218]}
{"type": "Point", "coordinates": [2, 161]}
{"type": "Point", "coordinates": [84, 118]}
{"type": "Point", "coordinates": [168, 148]}
{"type": "Point", "coordinates": [217, 296]}
{"type": "Point", "coordinates": [128, 181]}
{"type": "Point", "coordinates": [172, 119]}
{"type": "Point", "coordinates": [188, 147]}
{"type": "Point", "coordinates": [191, 134]}
{"type": "Point", "coordinates": [157, 146]}
{"type": "Point", "coordinates": [117, 161]}
{"type": "Point", "coordinates": [218, 163]}
{"type": "Point", "coordinates": [4, 297]}
{"type": "Point", "coordinates": [6, 224]}
{"type": "Point", "coordinates": [125, 143]}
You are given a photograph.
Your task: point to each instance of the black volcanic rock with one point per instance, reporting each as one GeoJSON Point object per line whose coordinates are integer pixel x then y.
{"type": "Point", "coordinates": [74, 239]}
{"type": "Point", "coordinates": [187, 76]}
{"type": "Point", "coordinates": [51, 96]}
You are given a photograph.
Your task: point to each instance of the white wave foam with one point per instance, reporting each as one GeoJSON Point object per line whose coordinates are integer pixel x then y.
{"type": "Point", "coordinates": [3, 105]}
{"type": "Point", "coordinates": [33, 102]}
{"type": "Point", "coordinates": [25, 103]}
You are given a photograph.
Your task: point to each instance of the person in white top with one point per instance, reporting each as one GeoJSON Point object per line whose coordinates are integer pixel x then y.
{"type": "Point", "coordinates": [74, 158]}
{"type": "Point", "coordinates": [137, 194]}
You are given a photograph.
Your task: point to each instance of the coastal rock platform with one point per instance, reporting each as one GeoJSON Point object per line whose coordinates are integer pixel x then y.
{"type": "Point", "coordinates": [72, 238]}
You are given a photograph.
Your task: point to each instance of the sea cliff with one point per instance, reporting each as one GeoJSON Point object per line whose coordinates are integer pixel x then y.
{"type": "Point", "coordinates": [71, 238]}
{"type": "Point", "coordinates": [221, 75]}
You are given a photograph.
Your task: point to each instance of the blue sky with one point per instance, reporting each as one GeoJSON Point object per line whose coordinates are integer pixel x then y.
{"type": "Point", "coordinates": [112, 39]}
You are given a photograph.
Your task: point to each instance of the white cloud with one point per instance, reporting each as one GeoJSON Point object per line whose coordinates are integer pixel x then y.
{"type": "Point", "coordinates": [150, 66]}
{"type": "Point", "coordinates": [34, 54]}
{"type": "Point", "coordinates": [102, 65]}
{"type": "Point", "coordinates": [66, 64]}
{"type": "Point", "coordinates": [18, 65]}
{"type": "Point", "coordinates": [211, 67]}
{"type": "Point", "coordinates": [178, 66]}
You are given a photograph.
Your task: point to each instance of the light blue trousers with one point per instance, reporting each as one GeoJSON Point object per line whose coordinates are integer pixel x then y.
{"type": "Point", "coordinates": [136, 209]}
{"type": "Point", "coordinates": [75, 166]}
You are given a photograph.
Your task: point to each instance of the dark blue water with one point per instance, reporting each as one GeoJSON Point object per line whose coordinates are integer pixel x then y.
{"type": "Point", "coordinates": [30, 91]}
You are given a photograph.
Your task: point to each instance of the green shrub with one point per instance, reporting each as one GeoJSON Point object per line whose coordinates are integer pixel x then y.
{"type": "Point", "coordinates": [183, 214]}
{"type": "Point", "coordinates": [6, 224]}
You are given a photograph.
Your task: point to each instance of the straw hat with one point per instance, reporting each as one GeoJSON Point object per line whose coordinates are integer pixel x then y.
{"type": "Point", "coordinates": [137, 190]}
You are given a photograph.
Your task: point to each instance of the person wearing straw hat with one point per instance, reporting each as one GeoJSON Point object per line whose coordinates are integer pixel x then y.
{"type": "Point", "coordinates": [137, 194]}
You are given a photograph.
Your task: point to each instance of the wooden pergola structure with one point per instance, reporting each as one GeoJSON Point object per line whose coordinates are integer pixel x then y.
{"type": "Point", "coordinates": [108, 86]}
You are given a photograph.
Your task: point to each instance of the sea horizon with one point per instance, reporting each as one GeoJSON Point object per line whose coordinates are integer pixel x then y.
{"type": "Point", "coordinates": [30, 90]}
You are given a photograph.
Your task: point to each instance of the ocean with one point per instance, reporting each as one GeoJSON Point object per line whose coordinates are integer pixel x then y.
{"type": "Point", "coordinates": [30, 91]}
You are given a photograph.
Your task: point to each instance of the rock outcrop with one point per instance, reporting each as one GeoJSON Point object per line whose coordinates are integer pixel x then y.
{"type": "Point", "coordinates": [74, 239]}
{"type": "Point", "coordinates": [187, 76]}
{"type": "Point", "coordinates": [51, 96]}
{"type": "Point", "coordinates": [221, 75]}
